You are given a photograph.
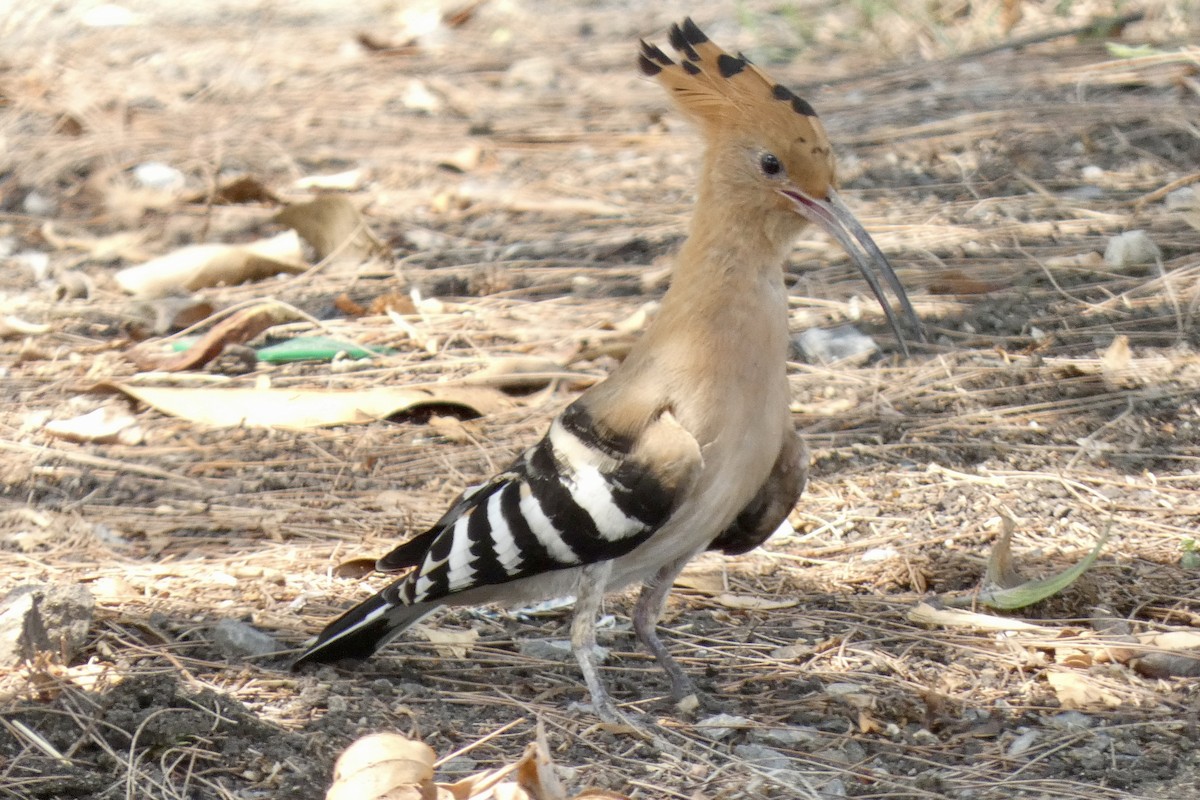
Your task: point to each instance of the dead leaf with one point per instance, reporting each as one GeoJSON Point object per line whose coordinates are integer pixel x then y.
{"type": "Point", "coordinates": [1178, 655]}
{"type": "Point", "coordinates": [710, 583]}
{"type": "Point", "coordinates": [457, 17]}
{"type": "Point", "coordinates": [333, 226]}
{"type": "Point", "coordinates": [108, 424]}
{"type": "Point", "coordinates": [13, 327]}
{"type": "Point", "coordinates": [384, 766]}
{"type": "Point", "coordinates": [397, 302]}
{"type": "Point", "coordinates": [125, 245]}
{"type": "Point", "coordinates": [304, 408]}
{"type": "Point", "coordinates": [465, 159]}
{"type": "Point", "coordinates": [349, 181]}
{"type": "Point", "coordinates": [355, 568]}
{"type": "Point", "coordinates": [519, 372]}
{"type": "Point", "coordinates": [753, 602]}
{"type": "Point", "coordinates": [451, 643]}
{"type": "Point", "coordinates": [1090, 259]}
{"type": "Point", "coordinates": [1114, 364]}
{"type": "Point", "coordinates": [162, 315]}
{"type": "Point", "coordinates": [345, 304]}
{"type": "Point", "coordinates": [245, 189]}
{"type": "Point", "coordinates": [238, 329]}
{"type": "Point", "coordinates": [868, 724]}
{"type": "Point", "coordinates": [1077, 690]}
{"type": "Point", "coordinates": [953, 281]}
{"type": "Point", "coordinates": [452, 429]}
{"type": "Point", "coordinates": [200, 265]}
{"type": "Point", "coordinates": [377, 44]}
{"type": "Point", "coordinates": [925, 614]}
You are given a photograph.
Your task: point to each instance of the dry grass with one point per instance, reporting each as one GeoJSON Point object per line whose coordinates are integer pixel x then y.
{"type": "Point", "coordinates": [986, 176]}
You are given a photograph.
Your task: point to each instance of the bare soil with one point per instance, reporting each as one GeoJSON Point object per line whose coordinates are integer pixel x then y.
{"type": "Point", "coordinates": [523, 176]}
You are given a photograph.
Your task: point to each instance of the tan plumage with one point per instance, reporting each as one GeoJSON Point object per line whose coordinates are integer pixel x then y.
{"type": "Point", "coordinates": [689, 444]}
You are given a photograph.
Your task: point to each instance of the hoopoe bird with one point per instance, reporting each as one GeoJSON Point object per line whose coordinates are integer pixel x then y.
{"type": "Point", "coordinates": [689, 444]}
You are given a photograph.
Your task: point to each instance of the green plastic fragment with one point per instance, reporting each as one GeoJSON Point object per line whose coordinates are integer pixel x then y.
{"type": "Point", "coordinates": [302, 348]}
{"type": "Point", "coordinates": [315, 348]}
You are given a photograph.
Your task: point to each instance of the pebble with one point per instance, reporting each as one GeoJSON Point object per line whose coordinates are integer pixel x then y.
{"type": "Point", "coordinates": [555, 650]}
{"type": "Point", "coordinates": [236, 639]}
{"type": "Point", "coordinates": [720, 726]}
{"type": "Point", "coordinates": [39, 617]}
{"type": "Point", "coordinates": [830, 345]}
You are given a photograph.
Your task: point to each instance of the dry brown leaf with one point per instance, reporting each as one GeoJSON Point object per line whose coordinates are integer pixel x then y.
{"type": "Point", "coordinates": [238, 329]}
{"type": "Point", "coordinates": [355, 568]}
{"type": "Point", "coordinates": [600, 794]}
{"type": "Point", "coordinates": [1090, 259]}
{"type": "Point", "coordinates": [452, 429]}
{"type": "Point", "coordinates": [349, 181]}
{"type": "Point", "coordinates": [200, 265]}
{"type": "Point", "coordinates": [1077, 690]}
{"type": "Point", "coordinates": [449, 643]}
{"type": "Point", "coordinates": [295, 409]}
{"type": "Point", "coordinates": [926, 614]}
{"type": "Point", "coordinates": [125, 245]}
{"type": "Point", "coordinates": [108, 424]}
{"type": "Point", "coordinates": [398, 302]}
{"type": "Point", "coordinates": [953, 281]}
{"type": "Point", "coordinates": [384, 766]}
{"type": "Point", "coordinates": [465, 159]}
{"type": "Point", "coordinates": [245, 189]}
{"type": "Point", "coordinates": [333, 226]}
{"type": "Point", "coordinates": [868, 724]}
{"type": "Point", "coordinates": [753, 602]}
{"type": "Point", "coordinates": [710, 583]}
{"type": "Point", "coordinates": [12, 327]}
{"type": "Point", "coordinates": [1178, 655]}
{"type": "Point", "coordinates": [1114, 364]}
{"type": "Point", "coordinates": [518, 372]}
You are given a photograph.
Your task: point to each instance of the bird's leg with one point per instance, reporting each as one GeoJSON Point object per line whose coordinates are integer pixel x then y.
{"type": "Point", "coordinates": [649, 608]}
{"type": "Point", "coordinates": [588, 596]}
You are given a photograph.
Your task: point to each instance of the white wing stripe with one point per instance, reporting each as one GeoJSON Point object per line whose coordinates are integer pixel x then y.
{"type": "Point", "coordinates": [505, 546]}
{"type": "Point", "coordinates": [544, 529]}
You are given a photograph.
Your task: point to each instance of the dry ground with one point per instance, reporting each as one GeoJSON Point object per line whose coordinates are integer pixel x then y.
{"type": "Point", "coordinates": [991, 178]}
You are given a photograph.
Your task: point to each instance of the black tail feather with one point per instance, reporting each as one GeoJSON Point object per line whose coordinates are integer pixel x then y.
{"type": "Point", "coordinates": [362, 630]}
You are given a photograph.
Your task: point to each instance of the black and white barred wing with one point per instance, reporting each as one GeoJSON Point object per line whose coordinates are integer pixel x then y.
{"type": "Point", "coordinates": [581, 495]}
{"type": "Point", "coordinates": [577, 497]}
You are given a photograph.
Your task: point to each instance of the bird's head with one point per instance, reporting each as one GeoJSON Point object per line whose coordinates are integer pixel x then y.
{"type": "Point", "coordinates": [766, 153]}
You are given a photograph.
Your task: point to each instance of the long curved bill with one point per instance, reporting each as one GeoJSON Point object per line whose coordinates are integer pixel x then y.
{"type": "Point", "coordinates": [836, 219]}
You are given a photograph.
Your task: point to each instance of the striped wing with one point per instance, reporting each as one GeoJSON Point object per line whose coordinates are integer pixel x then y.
{"type": "Point", "coordinates": [575, 498]}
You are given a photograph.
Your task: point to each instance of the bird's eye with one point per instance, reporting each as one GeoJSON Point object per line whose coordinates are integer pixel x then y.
{"type": "Point", "coordinates": [770, 164]}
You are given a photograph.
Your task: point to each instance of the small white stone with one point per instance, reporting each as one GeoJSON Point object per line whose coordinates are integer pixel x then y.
{"type": "Point", "coordinates": [157, 175]}
{"type": "Point", "coordinates": [1131, 249]}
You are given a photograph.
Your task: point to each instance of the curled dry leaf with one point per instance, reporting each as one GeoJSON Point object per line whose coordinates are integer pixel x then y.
{"type": "Point", "coordinates": [1078, 690]}
{"type": "Point", "coordinates": [238, 329]}
{"type": "Point", "coordinates": [1176, 654]}
{"type": "Point", "coordinates": [334, 227]}
{"type": "Point", "coordinates": [304, 408]}
{"type": "Point", "coordinates": [355, 568]}
{"type": "Point", "coordinates": [12, 327]}
{"type": "Point", "coordinates": [519, 372]}
{"type": "Point", "coordinates": [384, 766]}
{"type": "Point", "coordinates": [245, 189]}
{"type": "Point", "coordinates": [200, 265]}
{"type": "Point", "coordinates": [753, 602]}
{"type": "Point", "coordinates": [349, 181]}
{"type": "Point", "coordinates": [451, 643]}
{"type": "Point", "coordinates": [107, 424]}
{"type": "Point", "coordinates": [925, 614]}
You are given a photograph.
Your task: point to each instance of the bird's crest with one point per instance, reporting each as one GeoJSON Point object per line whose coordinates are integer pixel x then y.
{"type": "Point", "coordinates": [723, 92]}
